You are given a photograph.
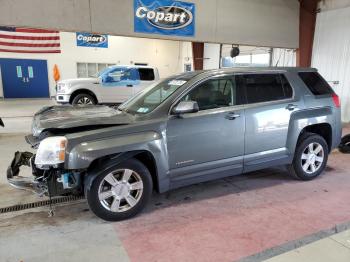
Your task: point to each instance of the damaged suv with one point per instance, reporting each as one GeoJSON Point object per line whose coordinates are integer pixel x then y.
{"type": "Point", "coordinates": [189, 128]}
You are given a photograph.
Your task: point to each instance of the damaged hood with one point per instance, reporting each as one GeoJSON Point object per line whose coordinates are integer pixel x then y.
{"type": "Point", "coordinates": [69, 117]}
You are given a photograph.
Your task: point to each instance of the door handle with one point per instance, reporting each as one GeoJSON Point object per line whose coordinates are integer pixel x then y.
{"type": "Point", "coordinates": [129, 85]}
{"type": "Point", "coordinates": [291, 107]}
{"type": "Point", "coordinates": [232, 116]}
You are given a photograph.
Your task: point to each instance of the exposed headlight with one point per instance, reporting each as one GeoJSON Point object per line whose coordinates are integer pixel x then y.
{"type": "Point", "coordinates": [51, 151]}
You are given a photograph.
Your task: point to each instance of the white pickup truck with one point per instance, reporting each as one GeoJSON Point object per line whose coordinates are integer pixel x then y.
{"type": "Point", "coordinates": [114, 85]}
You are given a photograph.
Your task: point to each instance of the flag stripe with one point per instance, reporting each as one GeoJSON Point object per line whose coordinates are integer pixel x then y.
{"type": "Point", "coordinates": [30, 51]}
{"type": "Point", "coordinates": [33, 30]}
{"type": "Point", "coordinates": [29, 45]}
{"type": "Point", "coordinates": [28, 41]}
{"type": "Point", "coordinates": [29, 34]}
{"type": "Point", "coordinates": [29, 48]}
{"type": "Point", "coordinates": [29, 37]}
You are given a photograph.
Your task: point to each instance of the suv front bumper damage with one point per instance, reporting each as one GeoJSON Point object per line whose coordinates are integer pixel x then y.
{"type": "Point", "coordinates": [21, 182]}
{"type": "Point", "coordinates": [50, 182]}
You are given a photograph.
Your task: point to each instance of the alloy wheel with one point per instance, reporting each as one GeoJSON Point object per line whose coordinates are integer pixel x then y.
{"type": "Point", "coordinates": [120, 190]}
{"type": "Point", "coordinates": [84, 101]}
{"type": "Point", "coordinates": [312, 158]}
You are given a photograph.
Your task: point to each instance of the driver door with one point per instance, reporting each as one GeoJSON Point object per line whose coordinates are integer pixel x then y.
{"type": "Point", "coordinates": [117, 84]}
{"type": "Point", "coordinates": [210, 143]}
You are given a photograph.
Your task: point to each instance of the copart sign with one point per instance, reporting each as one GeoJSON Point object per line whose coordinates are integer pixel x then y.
{"type": "Point", "coordinates": [92, 40]}
{"type": "Point", "coordinates": [165, 17]}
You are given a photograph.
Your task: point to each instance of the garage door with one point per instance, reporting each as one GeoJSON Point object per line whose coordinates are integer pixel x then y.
{"type": "Point", "coordinates": [24, 78]}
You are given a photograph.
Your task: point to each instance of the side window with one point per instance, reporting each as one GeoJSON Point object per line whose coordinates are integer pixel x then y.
{"type": "Point", "coordinates": [316, 84]}
{"type": "Point", "coordinates": [215, 93]}
{"type": "Point", "coordinates": [121, 74]}
{"type": "Point", "coordinates": [146, 74]}
{"type": "Point", "coordinates": [265, 87]}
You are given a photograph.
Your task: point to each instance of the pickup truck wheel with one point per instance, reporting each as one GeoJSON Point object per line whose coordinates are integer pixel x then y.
{"type": "Point", "coordinates": [120, 192]}
{"type": "Point", "coordinates": [310, 157]}
{"type": "Point", "coordinates": [83, 99]}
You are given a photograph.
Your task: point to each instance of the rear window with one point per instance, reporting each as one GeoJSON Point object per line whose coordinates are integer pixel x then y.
{"type": "Point", "coordinates": [315, 82]}
{"type": "Point", "coordinates": [146, 74]}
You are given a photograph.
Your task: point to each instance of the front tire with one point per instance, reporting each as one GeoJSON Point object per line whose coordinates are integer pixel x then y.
{"type": "Point", "coordinates": [310, 158]}
{"type": "Point", "coordinates": [121, 191]}
{"type": "Point", "coordinates": [83, 99]}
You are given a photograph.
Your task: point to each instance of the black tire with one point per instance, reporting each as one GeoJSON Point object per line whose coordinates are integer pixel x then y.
{"type": "Point", "coordinates": [296, 168]}
{"type": "Point", "coordinates": [101, 211]}
{"type": "Point", "coordinates": [344, 145]}
{"type": "Point", "coordinates": [83, 96]}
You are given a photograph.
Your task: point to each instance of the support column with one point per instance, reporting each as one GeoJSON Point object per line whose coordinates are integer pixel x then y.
{"type": "Point", "coordinates": [198, 55]}
{"type": "Point", "coordinates": [307, 22]}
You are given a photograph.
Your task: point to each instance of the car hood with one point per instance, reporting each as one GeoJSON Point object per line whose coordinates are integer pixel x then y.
{"type": "Point", "coordinates": [68, 117]}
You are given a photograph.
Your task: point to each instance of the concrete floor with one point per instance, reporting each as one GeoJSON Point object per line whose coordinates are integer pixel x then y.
{"type": "Point", "coordinates": [244, 218]}
{"type": "Point", "coordinates": [334, 248]}
{"type": "Point", "coordinates": [17, 114]}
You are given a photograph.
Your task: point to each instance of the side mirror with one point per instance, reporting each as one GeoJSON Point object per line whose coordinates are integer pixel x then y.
{"type": "Point", "coordinates": [186, 107]}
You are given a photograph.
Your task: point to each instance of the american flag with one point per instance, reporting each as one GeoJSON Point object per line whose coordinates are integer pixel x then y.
{"type": "Point", "coordinates": [29, 40]}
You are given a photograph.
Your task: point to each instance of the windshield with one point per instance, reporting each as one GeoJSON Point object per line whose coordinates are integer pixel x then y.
{"type": "Point", "coordinates": [150, 98]}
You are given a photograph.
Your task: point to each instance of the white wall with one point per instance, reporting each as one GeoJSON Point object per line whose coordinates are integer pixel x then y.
{"type": "Point", "coordinates": [331, 52]}
{"type": "Point", "coordinates": [186, 56]}
{"type": "Point", "coordinates": [211, 56]}
{"type": "Point", "coordinates": [325, 5]}
{"type": "Point", "coordinates": [283, 57]}
{"type": "Point", "coordinates": [168, 56]}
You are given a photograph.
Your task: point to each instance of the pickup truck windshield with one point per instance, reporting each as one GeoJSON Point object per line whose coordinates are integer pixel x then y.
{"type": "Point", "coordinates": [150, 98]}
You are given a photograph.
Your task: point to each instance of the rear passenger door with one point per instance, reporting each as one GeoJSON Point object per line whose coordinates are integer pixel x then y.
{"type": "Point", "coordinates": [270, 103]}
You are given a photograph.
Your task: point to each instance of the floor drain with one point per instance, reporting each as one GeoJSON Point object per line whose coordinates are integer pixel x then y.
{"type": "Point", "coordinates": [36, 204]}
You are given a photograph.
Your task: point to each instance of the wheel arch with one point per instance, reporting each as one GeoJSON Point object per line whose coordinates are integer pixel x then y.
{"type": "Point", "coordinates": [315, 120]}
{"type": "Point", "coordinates": [322, 129]}
{"type": "Point", "coordinates": [82, 91]}
{"type": "Point", "coordinates": [144, 156]}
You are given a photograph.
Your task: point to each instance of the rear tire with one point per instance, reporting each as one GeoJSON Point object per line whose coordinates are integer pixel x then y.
{"type": "Point", "coordinates": [310, 157]}
{"type": "Point", "coordinates": [121, 191]}
{"type": "Point", "coordinates": [83, 99]}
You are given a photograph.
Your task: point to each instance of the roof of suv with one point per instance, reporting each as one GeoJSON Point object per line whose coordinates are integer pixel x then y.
{"type": "Point", "coordinates": [191, 74]}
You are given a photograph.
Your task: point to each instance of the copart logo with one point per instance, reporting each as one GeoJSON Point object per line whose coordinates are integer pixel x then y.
{"type": "Point", "coordinates": [92, 39]}
{"type": "Point", "coordinates": [166, 17]}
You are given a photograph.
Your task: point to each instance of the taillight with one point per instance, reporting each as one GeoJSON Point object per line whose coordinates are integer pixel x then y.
{"type": "Point", "coordinates": [336, 100]}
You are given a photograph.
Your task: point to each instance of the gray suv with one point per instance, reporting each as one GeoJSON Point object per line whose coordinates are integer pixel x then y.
{"type": "Point", "coordinates": [186, 129]}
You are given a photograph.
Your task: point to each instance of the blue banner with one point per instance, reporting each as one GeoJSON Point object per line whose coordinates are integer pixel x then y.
{"type": "Point", "coordinates": [165, 17]}
{"type": "Point", "coordinates": [92, 40]}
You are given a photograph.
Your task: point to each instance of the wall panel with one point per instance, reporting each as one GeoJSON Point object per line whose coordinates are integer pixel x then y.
{"type": "Point", "coordinates": [331, 53]}
{"type": "Point", "coordinates": [254, 22]}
